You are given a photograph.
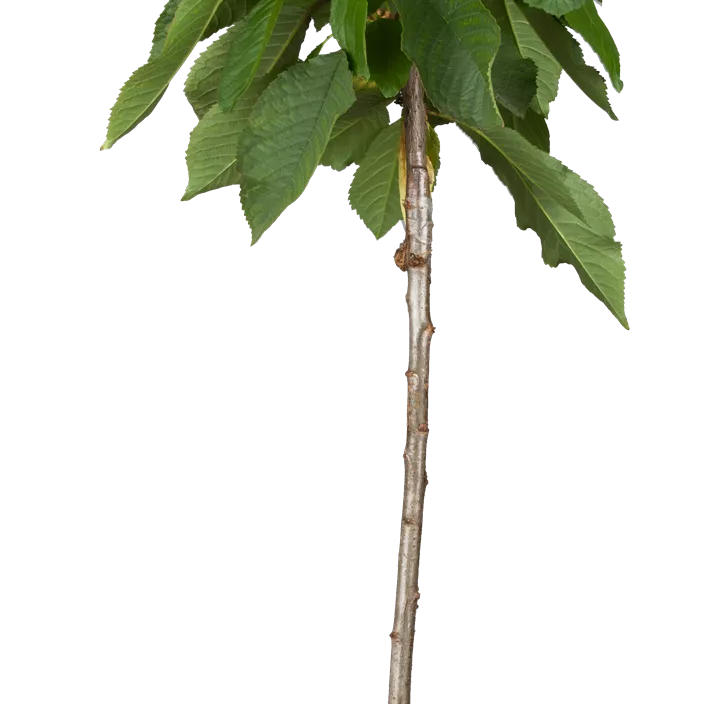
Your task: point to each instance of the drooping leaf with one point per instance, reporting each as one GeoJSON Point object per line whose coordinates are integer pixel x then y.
{"type": "Point", "coordinates": [533, 127]}
{"type": "Point", "coordinates": [544, 172]}
{"type": "Point", "coordinates": [348, 22]}
{"type": "Point", "coordinates": [356, 129]}
{"type": "Point", "coordinates": [282, 50]}
{"type": "Point", "coordinates": [568, 53]}
{"type": "Point", "coordinates": [556, 7]}
{"type": "Point", "coordinates": [587, 244]}
{"type": "Point", "coordinates": [514, 78]}
{"type": "Point", "coordinates": [453, 43]}
{"type": "Point", "coordinates": [246, 51]}
{"type": "Point", "coordinates": [212, 155]}
{"type": "Point", "coordinates": [374, 192]}
{"type": "Point", "coordinates": [228, 13]}
{"type": "Point", "coordinates": [388, 65]}
{"type": "Point", "coordinates": [532, 47]}
{"type": "Point", "coordinates": [161, 27]}
{"type": "Point", "coordinates": [587, 22]}
{"type": "Point", "coordinates": [287, 133]}
{"type": "Point", "coordinates": [146, 86]}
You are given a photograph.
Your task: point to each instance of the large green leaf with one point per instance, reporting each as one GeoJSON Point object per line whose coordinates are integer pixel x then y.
{"type": "Point", "coordinates": [282, 49]}
{"type": "Point", "coordinates": [356, 129]}
{"type": "Point", "coordinates": [530, 46]}
{"type": "Point", "coordinates": [388, 65]}
{"type": "Point", "coordinates": [515, 85]}
{"type": "Point", "coordinates": [589, 24]}
{"type": "Point", "coordinates": [556, 7]}
{"type": "Point", "coordinates": [228, 13]}
{"type": "Point", "coordinates": [212, 155]}
{"type": "Point", "coordinates": [587, 244]}
{"type": "Point", "coordinates": [453, 43]}
{"type": "Point", "coordinates": [544, 172]}
{"type": "Point", "coordinates": [162, 25]}
{"type": "Point", "coordinates": [568, 53]}
{"type": "Point", "coordinates": [246, 51]}
{"type": "Point", "coordinates": [287, 134]}
{"type": "Point", "coordinates": [286, 39]}
{"type": "Point", "coordinates": [146, 86]}
{"type": "Point", "coordinates": [348, 22]}
{"type": "Point", "coordinates": [374, 192]}
{"type": "Point", "coordinates": [533, 127]}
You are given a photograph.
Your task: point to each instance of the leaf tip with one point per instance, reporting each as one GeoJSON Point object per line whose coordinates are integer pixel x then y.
{"type": "Point", "coordinates": [106, 145]}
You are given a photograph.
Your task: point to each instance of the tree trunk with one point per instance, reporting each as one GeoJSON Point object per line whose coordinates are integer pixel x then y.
{"type": "Point", "coordinates": [414, 256]}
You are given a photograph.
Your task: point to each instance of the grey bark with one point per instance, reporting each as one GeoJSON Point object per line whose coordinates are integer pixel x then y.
{"type": "Point", "coordinates": [414, 256]}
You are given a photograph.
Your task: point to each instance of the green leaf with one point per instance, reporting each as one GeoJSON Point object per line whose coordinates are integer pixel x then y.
{"type": "Point", "coordinates": [388, 65]}
{"type": "Point", "coordinates": [568, 53]}
{"type": "Point", "coordinates": [146, 86]}
{"type": "Point", "coordinates": [321, 16]}
{"type": "Point", "coordinates": [282, 50]}
{"type": "Point", "coordinates": [246, 51]}
{"type": "Point", "coordinates": [544, 172]}
{"type": "Point", "coordinates": [514, 79]}
{"type": "Point", "coordinates": [533, 127]}
{"type": "Point", "coordinates": [287, 134]}
{"type": "Point", "coordinates": [212, 155]}
{"type": "Point", "coordinates": [286, 39]}
{"type": "Point", "coordinates": [532, 47]}
{"type": "Point", "coordinates": [228, 13]}
{"type": "Point", "coordinates": [316, 51]}
{"type": "Point", "coordinates": [587, 244]}
{"type": "Point", "coordinates": [319, 11]}
{"type": "Point", "coordinates": [438, 120]}
{"type": "Point", "coordinates": [587, 22]}
{"type": "Point", "coordinates": [161, 27]}
{"type": "Point", "coordinates": [556, 7]}
{"type": "Point", "coordinates": [374, 192]}
{"type": "Point", "coordinates": [348, 22]}
{"type": "Point", "coordinates": [453, 43]}
{"type": "Point", "coordinates": [356, 129]}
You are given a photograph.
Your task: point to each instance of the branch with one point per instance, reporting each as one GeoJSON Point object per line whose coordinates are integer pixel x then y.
{"type": "Point", "coordinates": [416, 261]}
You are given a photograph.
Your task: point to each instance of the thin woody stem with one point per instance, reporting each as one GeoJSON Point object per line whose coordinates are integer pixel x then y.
{"type": "Point", "coordinates": [416, 261]}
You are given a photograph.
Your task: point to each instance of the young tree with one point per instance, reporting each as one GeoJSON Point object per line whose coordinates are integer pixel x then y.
{"type": "Point", "coordinates": [267, 119]}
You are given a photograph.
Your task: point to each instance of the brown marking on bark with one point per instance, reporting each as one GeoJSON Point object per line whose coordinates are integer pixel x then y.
{"type": "Point", "coordinates": [400, 256]}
